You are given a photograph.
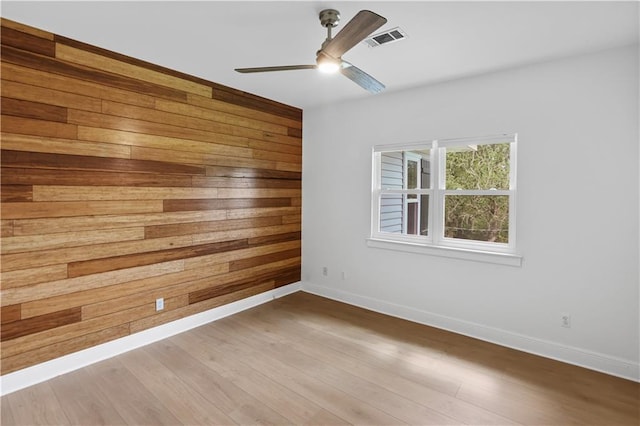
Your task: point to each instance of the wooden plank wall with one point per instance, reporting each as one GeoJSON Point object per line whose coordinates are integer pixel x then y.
{"type": "Point", "coordinates": [123, 182]}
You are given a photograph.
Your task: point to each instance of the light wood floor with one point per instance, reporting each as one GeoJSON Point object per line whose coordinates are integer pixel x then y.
{"type": "Point", "coordinates": [307, 360]}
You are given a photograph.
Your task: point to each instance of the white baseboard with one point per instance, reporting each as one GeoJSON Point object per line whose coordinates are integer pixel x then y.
{"type": "Point", "coordinates": [592, 360]}
{"type": "Point", "coordinates": [47, 370]}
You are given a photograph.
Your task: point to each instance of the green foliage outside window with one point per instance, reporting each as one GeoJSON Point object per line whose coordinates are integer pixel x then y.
{"type": "Point", "coordinates": [478, 217]}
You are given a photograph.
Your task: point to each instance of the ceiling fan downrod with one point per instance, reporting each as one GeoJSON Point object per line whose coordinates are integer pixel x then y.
{"type": "Point", "coordinates": [329, 18]}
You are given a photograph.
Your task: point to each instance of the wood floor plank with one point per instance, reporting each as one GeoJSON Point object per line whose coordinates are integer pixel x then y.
{"type": "Point", "coordinates": [342, 404]}
{"type": "Point", "coordinates": [302, 359]}
{"type": "Point", "coordinates": [36, 405]}
{"type": "Point", "coordinates": [128, 396]}
{"type": "Point", "coordinates": [84, 405]}
{"type": "Point", "coordinates": [165, 384]}
{"type": "Point", "coordinates": [367, 390]}
{"type": "Point", "coordinates": [226, 395]}
{"type": "Point", "coordinates": [290, 404]}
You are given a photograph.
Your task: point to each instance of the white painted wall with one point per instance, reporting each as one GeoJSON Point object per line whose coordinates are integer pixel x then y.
{"type": "Point", "coordinates": [577, 208]}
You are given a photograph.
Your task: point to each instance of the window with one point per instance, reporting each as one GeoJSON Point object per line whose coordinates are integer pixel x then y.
{"type": "Point", "coordinates": [457, 193]}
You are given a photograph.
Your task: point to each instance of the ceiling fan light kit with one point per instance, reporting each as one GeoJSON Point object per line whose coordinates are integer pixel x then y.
{"type": "Point", "coordinates": [329, 57]}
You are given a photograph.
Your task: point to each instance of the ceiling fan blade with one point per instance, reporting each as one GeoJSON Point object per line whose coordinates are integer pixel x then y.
{"type": "Point", "coordinates": [361, 78]}
{"type": "Point", "coordinates": [278, 68]}
{"type": "Point", "coordinates": [356, 30]}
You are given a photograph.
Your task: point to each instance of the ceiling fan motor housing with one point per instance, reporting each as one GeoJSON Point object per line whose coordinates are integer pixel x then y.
{"type": "Point", "coordinates": [329, 18]}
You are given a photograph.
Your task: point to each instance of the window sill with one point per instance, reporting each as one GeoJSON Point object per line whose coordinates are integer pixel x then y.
{"type": "Point", "coordinates": [455, 253]}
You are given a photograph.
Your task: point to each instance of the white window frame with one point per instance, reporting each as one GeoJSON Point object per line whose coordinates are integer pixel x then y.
{"type": "Point", "coordinates": [410, 156]}
{"type": "Point", "coordinates": [435, 242]}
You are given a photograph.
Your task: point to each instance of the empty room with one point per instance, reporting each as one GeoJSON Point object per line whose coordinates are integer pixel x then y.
{"type": "Point", "coordinates": [320, 213]}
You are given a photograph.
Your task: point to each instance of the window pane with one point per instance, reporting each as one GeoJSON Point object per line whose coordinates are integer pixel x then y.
{"type": "Point", "coordinates": [412, 174]}
{"type": "Point", "coordinates": [478, 167]}
{"type": "Point", "coordinates": [393, 174]}
{"type": "Point", "coordinates": [400, 214]}
{"type": "Point", "coordinates": [477, 217]}
{"type": "Point", "coordinates": [391, 208]}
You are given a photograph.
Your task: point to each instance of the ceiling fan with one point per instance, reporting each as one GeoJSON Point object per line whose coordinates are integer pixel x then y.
{"type": "Point", "coordinates": [329, 57]}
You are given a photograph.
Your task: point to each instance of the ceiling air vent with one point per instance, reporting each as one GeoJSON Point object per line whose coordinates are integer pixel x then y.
{"type": "Point", "coordinates": [394, 34]}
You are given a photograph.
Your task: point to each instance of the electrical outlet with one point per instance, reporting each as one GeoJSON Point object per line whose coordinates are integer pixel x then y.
{"type": "Point", "coordinates": [159, 304]}
{"type": "Point", "coordinates": [565, 320]}
{"type": "Point", "coordinates": [325, 271]}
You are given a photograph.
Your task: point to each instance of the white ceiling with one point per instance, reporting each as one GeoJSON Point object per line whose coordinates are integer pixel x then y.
{"type": "Point", "coordinates": [446, 40]}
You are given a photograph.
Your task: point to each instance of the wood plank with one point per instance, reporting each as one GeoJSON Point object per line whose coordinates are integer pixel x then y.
{"type": "Point", "coordinates": [184, 157]}
{"type": "Point", "coordinates": [81, 162]}
{"type": "Point", "coordinates": [92, 119]}
{"type": "Point", "coordinates": [218, 116]}
{"type": "Point", "coordinates": [93, 223]}
{"type": "Point", "coordinates": [23, 176]}
{"type": "Point", "coordinates": [70, 85]}
{"type": "Point", "coordinates": [16, 193]}
{"type": "Point", "coordinates": [24, 277]}
{"type": "Point", "coordinates": [226, 257]}
{"type": "Point", "coordinates": [228, 182]}
{"type": "Point", "coordinates": [111, 193]}
{"type": "Point", "coordinates": [43, 339]}
{"type": "Point", "coordinates": [54, 66]}
{"type": "Point", "coordinates": [127, 289]}
{"type": "Point", "coordinates": [12, 262]}
{"type": "Point", "coordinates": [27, 41]}
{"type": "Point", "coordinates": [69, 239]}
{"type": "Point", "coordinates": [289, 167]}
{"type": "Point", "coordinates": [276, 146]}
{"type": "Point", "coordinates": [258, 192]}
{"type": "Point", "coordinates": [70, 285]}
{"type": "Point", "coordinates": [367, 389]}
{"type": "Point", "coordinates": [293, 406]}
{"type": "Point", "coordinates": [293, 275]}
{"type": "Point", "coordinates": [195, 308]}
{"type": "Point", "coordinates": [78, 208]}
{"type": "Point", "coordinates": [88, 267]}
{"type": "Point", "coordinates": [217, 105]}
{"type": "Point", "coordinates": [128, 59]}
{"type": "Point", "coordinates": [36, 356]}
{"type": "Point", "coordinates": [17, 142]}
{"type": "Point", "coordinates": [278, 157]}
{"type": "Point", "coordinates": [12, 330]}
{"type": "Point", "coordinates": [218, 390]}
{"type": "Point", "coordinates": [84, 405]}
{"type": "Point", "coordinates": [194, 123]}
{"type": "Point", "coordinates": [6, 228]}
{"type": "Point", "coordinates": [233, 146]}
{"type": "Point", "coordinates": [159, 231]}
{"type": "Point", "coordinates": [174, 297]}
{"type": "Point", "coordinates": [8, 23]}
{"type": "Point", "coordinates": [295, 132]}
{"type": "Point", "coordinates": [192, 408]}
{"type": "Point", "coordinates": [295, 218]}
{"type": "Point", "coordinates": [261, 260]}
{"type": "Point", "coordinates": [275, 238]}
{"type": "Point", "coordinates": [243, 172]}
{"type": "Point", "coordinates": [223, 204]}
{"type": "Point", "coordinates": [36, 405]}
{"type": "Point", "coordinates": [29, 126]}
{"type": "Point", "coordinates": [237, 97]}
{"type": "Point", "coordinates": [228, 288]}
{"type": "Point", "coordinates": [36, 110]}
{"type": "Point", "coordinates": [10, 313]}
{"type": "Point", "coordinates": [29, 92]}
{"type": "Point", "coordinates": [245, 233]}
{"type": "Point", "coordinates": [93, 60]}
{"type": "Point", "coordinates": [134, 403]}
